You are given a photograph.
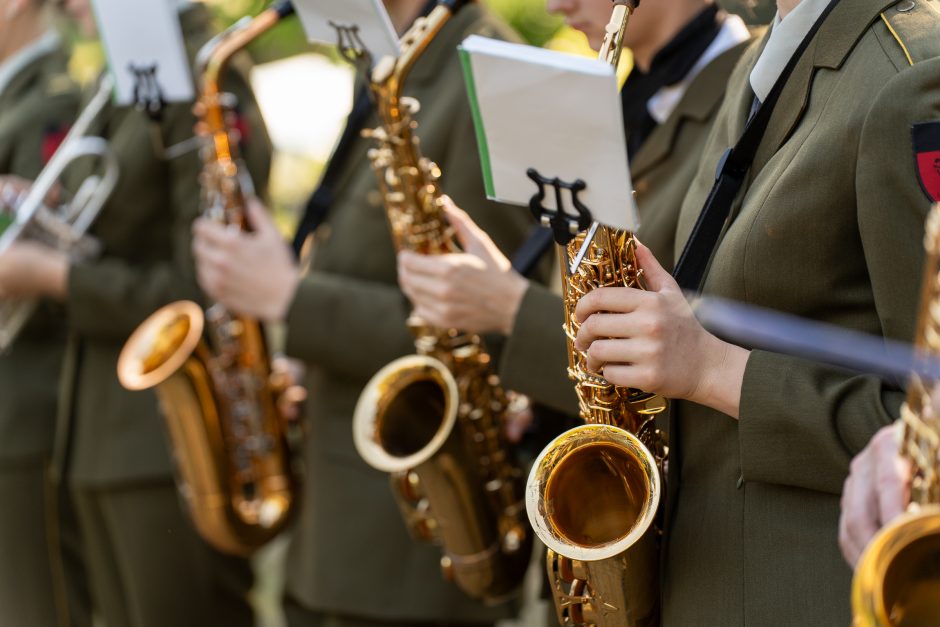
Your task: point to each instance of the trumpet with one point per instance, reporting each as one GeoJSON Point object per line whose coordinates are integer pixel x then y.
{"type": "Point", "coordinates": [26, 216]}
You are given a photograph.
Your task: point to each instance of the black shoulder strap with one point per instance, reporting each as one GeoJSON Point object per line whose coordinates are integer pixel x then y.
{"type": "Point", "coordinates": [319, 203]}
{"type": "Point", "coordinates": [729, 178]}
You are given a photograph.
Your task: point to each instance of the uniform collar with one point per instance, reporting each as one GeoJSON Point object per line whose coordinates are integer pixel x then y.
{"type": "Point", "coordinates": [42, 46]}
{"type": "Point", "coordinates": [664, 102]}
{"type": "Point", "coordinates": [785, 37]}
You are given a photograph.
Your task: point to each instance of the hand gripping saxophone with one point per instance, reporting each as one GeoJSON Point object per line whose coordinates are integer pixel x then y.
{"type": "Point", "coordinates": [593, 493]}
{"type": "Point", "coordinates": [211, 370]}
{"type": "Point", "coordinates": [434, 420]}
{"type": "Point", "coordinates": [63, 228]}
{"type": "Point", "coordinates": [897, 579]}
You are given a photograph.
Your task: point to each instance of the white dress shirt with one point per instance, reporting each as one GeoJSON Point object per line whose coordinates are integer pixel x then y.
{"type": "Point", "coordinates": [785, 37]}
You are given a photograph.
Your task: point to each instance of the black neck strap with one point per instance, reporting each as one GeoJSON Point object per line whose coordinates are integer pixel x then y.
{"type": "Point", "coordinates": [730, 176]}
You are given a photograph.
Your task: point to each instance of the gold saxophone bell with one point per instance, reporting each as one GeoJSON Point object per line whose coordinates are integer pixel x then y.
{"type": "Point", "coordinates": [167, 353]}
{"type": "Point", "coordinates": [592, 498]}
{"type": "Point", "coordinates": [897, 581]}
{"type": "Point", "coordinates": [434, 420]}
{"type": "Point", "coordinates": [406, 423]}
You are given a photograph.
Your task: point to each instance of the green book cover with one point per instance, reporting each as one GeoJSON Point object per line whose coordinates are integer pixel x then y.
{"type": "Point", "coordinates": [482, 145]}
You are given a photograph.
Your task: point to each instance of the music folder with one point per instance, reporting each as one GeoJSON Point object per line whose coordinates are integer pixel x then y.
{"type": "Point", "coordinates": [553, 114]}
{"type": "Point", "coordinates": [143, 42]}
{"type": "Point", "coordinates": [321, 20]}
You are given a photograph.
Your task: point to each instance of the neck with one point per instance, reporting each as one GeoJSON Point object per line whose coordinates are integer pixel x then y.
{"type": "Point", "coordinates": [403, 13]}
{"type": "Point", "coordinates": [785, 6]}
{"type": "Point", "coordinates": [663, 31]}
{"type": "Point", "coordinates": [20, 32]}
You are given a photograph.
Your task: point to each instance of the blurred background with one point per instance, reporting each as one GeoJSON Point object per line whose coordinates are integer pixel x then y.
{"type": "Point", "coordinates": [291, 75]}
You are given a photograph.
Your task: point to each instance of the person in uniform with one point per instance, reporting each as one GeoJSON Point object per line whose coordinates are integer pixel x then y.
{"type": "Point", "coordinates": [147, 565]}
{"type": "Point", "coordinates": [683, 51]}
{"type": "Point", "coordinates": [351, 561]}
{"type": "Point", "coordinates": [825, 227]}
{"type": "Point", "coordinates": [38, 103]}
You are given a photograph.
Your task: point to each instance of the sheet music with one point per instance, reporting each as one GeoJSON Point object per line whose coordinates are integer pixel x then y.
{"type": "Point", "coordinates": [368, 16]}
{"type": "Point", "coordinates": [143, 38]}
{"type": "Point", "coordinates": [557, 113]}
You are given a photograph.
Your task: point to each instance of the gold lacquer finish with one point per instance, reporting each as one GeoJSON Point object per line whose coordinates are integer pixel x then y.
{"type": "Point", "coordinates": [593, 493]}
{"type": "Point", "coordinates": [211, 370]}
{"type": "Point", "coordinates": [897, 579]}
{"type": "Point", "coordinates": [64, 227]}
{"type": "Point", "coordinates": [434, 420]}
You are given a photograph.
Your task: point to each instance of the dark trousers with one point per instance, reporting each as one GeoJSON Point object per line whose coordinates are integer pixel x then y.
{"type": "Point", "coordinates": [299, 616]}
{"type": "Point", "coordinates": [149, 568]}
{"type": "Point", "coordinates": [38, 545]}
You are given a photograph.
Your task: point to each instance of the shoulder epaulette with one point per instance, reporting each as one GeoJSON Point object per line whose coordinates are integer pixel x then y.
{"type": "Point", "coordinates": [915, 27]}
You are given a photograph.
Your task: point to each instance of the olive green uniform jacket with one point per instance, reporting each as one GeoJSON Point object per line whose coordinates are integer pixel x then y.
{"type": "Point", "coordinates": [535, 360]}
{"type": "Point", "coordinates": [829, 227]}
{"type": "Point", "coordinates": [36, 109]}
{"type": "Point", "coordinates": [118, 436]}
{"type": "Point", "coordinates": [350, 552]}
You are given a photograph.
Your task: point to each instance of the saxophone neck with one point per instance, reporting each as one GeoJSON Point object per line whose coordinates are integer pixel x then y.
{"type": "Point", "coordinates": [612, 47]}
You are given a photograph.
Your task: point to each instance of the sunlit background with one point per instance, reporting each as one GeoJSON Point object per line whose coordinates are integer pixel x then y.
{"type": "Point", "coordinates": [305, 90]}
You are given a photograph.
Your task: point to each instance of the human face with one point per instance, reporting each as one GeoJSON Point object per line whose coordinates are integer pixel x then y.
{"type": "Point", "coordinates": [81, 13]}
{"type": "Point", "coordinates": [588, 16]}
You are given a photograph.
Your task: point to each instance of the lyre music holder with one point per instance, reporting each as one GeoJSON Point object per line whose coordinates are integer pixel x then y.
{"type": "Point", "coordinates": [148, 95]}
{"type": "Point", "coordinates": [352, 48]}
{"type": "Point", "coordinates": [565, 225]}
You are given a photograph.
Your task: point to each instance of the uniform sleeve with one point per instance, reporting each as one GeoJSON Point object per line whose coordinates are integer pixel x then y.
{"type": "Point", "coordinates": [535, 359]}
{"type": "Point", "coordinates": [802, 422]}
{"type": "Point", "coordinates": [110, 296]}
{"type": "Point", "coordinates": [326, 310]}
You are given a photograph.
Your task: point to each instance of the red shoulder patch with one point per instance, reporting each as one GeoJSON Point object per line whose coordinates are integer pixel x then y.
{"type": "Point", "coordinates": [51, 140]}
{"type": "Point", "coordinates": [926, 137]}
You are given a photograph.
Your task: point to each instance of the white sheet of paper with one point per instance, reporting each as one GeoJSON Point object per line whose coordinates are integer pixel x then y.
{"type": "Point", "coordinates": [369, 16]}
{"type": "Point", "coordinates": [554, 112]}
{"type": "Point", "coordinates": [144, 33]}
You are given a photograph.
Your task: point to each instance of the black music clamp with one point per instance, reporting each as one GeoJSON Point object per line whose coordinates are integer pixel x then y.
{"type": "Point", "coordinates": [565, 225]}
{"type": "Point", "coordinates": [352, 48]}
{"type": "Point", "coordinates": [148, 95]}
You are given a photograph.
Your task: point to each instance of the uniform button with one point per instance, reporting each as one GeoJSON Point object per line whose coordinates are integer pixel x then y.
{"type": "Point", "coordinates": [906, 6]}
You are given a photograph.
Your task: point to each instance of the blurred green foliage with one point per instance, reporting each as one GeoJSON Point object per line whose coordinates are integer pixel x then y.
{"type": "Point", "coordinates": [528, 17]}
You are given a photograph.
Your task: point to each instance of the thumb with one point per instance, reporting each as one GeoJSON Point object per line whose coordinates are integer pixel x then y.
{"type": "Point", "coordinates": [471, 237]}
{"type": "Point", "coordinates": [654, 275]}
{"type": "Point", "coordinates": [259, 219]}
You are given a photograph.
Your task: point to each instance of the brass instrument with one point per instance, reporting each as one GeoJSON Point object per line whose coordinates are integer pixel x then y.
{"type": "Point", "coordinates": [593, 493]}
{"type": "Point", "coordinates": [212, 371]}
{"type": "Point", "coordinates": [897, 579]}
{"type": "Point", "coordinates": [434, 420]}
{"type": "Point", "coordinates": [63, 228]}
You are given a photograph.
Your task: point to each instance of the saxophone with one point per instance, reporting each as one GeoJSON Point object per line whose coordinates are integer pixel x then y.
{"type": "Point", "coordinates": [593, 493]}
{"type": "Point", "coordinates": [898, 576]}
{"type": "Point", "coordinates": [211, 369]}
{"type": "Point", "coordinates": [434, 420]}
{"type": "Point", "coordinates": [64, 228]}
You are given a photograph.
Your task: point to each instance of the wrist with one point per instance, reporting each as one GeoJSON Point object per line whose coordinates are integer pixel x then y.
{"type": "Point", "coordinates": [517, 286]}
{"type": "Point", "coordinates": [54, 276]}
{"type": "Point", "coordinates": [282, 307]}
{"type": "Point", "coordinates": [722, 377]}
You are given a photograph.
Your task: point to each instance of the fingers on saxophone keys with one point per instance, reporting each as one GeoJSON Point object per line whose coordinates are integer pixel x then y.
{"type": "Point", "coordinates": [612, 299]}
